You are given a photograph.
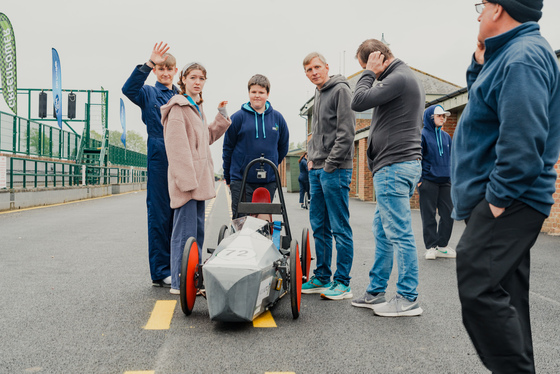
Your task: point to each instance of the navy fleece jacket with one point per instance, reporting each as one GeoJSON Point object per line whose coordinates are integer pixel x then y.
{"type": "Point", "coordinates": [508, 139]}
{"type": "Point", "coordinates": [250, 135]}
{"type": "Point", "coordinates": [436, 150]}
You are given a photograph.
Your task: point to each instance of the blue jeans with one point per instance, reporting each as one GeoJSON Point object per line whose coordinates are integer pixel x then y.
{"type": "Point", "coordinates": [330, 216]}
{"type": "Point", "coordinates": [392, 228]}
{"type": "Point", "coordinates": [188, 221]}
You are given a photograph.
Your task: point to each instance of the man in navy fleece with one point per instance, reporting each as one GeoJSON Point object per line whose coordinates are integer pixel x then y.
{"type": "Point", "coordinates": [255, 130]}
{"type": "Point", "coordinates": [502, 175]}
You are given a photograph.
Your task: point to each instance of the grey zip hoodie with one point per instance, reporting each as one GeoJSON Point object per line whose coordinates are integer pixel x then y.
{"type": "Point", "coordinates": [333, 126]}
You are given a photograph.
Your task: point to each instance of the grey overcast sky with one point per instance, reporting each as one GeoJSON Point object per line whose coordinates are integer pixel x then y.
{"type": "Point", "coordinates": [100, 42]}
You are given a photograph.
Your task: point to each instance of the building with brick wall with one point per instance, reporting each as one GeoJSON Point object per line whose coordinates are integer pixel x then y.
{"type": "Point", "coordinates": [438, 91]}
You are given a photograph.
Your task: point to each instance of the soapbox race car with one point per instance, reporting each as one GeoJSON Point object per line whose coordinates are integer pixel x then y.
{"type": "Point", "coordinates": [256, 262]}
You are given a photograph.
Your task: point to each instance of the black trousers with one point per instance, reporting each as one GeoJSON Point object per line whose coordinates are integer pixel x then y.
{"type": "Point", "coordinates": [435, 196]}
{"type": "Point", "coordinates": [235, 188]}
{"type": "Point", "coordinates": [493, 262]}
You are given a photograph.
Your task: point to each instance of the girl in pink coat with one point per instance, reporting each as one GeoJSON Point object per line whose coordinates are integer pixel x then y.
{"type": "Point", "coordinates": [191, 170]}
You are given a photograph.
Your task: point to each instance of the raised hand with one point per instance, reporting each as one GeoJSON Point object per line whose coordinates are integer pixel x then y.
{"type": "Point", "coordinates": [377, 63]}
{"type": "Point", "coordinates": [222, 104]}
{"type": "Point", "coordinates": [157, 53]}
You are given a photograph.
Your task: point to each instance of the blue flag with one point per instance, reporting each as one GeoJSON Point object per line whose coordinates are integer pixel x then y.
{"type": "Point", "coordinates": [123, 124]}
{"type": "Point", "coordinates": [57, 87]}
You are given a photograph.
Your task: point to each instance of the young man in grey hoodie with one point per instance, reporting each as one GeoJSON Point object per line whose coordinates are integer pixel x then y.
{"type": "Point", "coordinates": [330, 152]}
{"type": "Point", "coordinates": [394, 153]}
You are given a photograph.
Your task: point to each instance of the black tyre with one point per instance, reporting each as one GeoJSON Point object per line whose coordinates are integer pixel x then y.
{"type": "Point", "coordinates": [295, 279]}
{"type": "Point", "coordinates": [189, 276]}
{"type": "Point", "coordinates": [305, 255]}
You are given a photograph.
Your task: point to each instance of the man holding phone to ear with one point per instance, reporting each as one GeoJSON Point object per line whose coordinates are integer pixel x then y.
{"type": "Point", "coordinates": [394, 157]}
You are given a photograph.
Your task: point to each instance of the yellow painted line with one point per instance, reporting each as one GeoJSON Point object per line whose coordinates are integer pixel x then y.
{"type": "Point", "coordinates": [66, 203]}
{"type": "Point", "coordinates": [140, 372]}
{"type": "Point", "coordinates": [264, 320]}
{"type": "Point", "coordinates": [161, 315]}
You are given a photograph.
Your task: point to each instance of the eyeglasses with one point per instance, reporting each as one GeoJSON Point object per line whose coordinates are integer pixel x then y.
{"type": "Point", "coordinates": [480, 7]}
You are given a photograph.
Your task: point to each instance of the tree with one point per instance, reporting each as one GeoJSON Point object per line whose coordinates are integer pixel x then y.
{"type": "Point", "coordinates": [134, 140]}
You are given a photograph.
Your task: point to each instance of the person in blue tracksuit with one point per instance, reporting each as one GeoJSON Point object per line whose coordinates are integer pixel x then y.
{"type": "Point", "coordinates": [434, 187]}
{"type": "Point", "coordinates": [255, 130]}
{"type": "Point", "coordinates": [150, 99]}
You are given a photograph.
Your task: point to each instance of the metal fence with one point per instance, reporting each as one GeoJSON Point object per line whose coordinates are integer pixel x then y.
{"type": "Point", "coordinates": [32, 173]}
{"type": "Point", "coordinates": [24, 137]}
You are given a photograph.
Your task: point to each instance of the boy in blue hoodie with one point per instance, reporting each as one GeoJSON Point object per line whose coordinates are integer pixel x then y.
{"type": "Point", "coordinates": [502, 173]}
{"type": "Point", "coordinates": [255, 130]}
{"type": "Point", "coordinates": [434, 187]}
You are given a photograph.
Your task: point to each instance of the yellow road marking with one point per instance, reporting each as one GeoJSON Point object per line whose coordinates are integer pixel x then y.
{"type": "Point", "coordinates": [66, 203]}
{"type": "Point", "coordinates": [161, 315]}
{"type": "Point", "coordinates": [264, 320]}
{"type": "Point", "coordinates": [140, 372]}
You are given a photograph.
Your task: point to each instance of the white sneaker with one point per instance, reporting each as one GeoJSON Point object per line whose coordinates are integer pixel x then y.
{"type": "Point", "coordinates": [174, 291]}
{"type": "Point", "coordinates": [431, 253]}
{"type": "Point", "coordinates": [167, 280]}
{"type": "Point", "coordinates": [445, 252]}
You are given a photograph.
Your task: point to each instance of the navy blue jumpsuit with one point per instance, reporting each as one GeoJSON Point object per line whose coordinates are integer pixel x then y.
{"type": "Point", "coordinates": [160, 214]}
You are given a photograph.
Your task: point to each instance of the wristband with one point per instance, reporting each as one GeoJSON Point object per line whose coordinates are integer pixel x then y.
{"type": "Point", "coordinates": [153, 63]}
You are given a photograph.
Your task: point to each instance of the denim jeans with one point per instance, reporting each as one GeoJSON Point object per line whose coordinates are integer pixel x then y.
{"type": "Point", "coordinates": [188, 221]}
{"type": "Point", "coordinates": [330, 217]}
{"type": "Point", "coordinates": [394, 186]}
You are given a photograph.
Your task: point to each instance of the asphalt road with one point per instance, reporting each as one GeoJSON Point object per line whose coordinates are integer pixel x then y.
{"type": "Point", "coordinates": [76, 295]}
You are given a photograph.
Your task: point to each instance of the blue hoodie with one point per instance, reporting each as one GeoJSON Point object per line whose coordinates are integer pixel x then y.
{"type": "Point", "coordinates": [436, 150]}
{"type": "Point", "coordinates": [250, 135]}
{"type": "Point", "coordinates": [508, 138]}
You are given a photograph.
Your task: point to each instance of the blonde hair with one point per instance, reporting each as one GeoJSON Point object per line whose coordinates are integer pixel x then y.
{"type": "Point", "coordinates": [311, 56]}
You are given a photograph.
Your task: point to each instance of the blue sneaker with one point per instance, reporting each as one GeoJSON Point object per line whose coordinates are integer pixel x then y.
{"type": "Point", "coordinates": [314, 285]}
{"type": "Point", "coordinates": [338, 291]}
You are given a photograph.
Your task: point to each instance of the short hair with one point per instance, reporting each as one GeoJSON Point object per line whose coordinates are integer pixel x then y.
{"type": "Point", "coordinates": [259, 80]}
{"type": "Point", "coordinates": [311, 56]}
{"type": "Point", "coordinates": [372, 45]}
{"type": "Point", "coordinates": [170, 61]}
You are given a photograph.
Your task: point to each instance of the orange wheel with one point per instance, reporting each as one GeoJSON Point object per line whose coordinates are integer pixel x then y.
{"type": "Point", "coordinates": [295, 278]}
{"type": "Point", "coordinates": [189, 276]}
{"type": "Point", "coordinates": [305, 254]}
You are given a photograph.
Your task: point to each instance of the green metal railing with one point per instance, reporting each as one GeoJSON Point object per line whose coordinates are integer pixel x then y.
{"type": "Point", "coordinates": [24, 137]}
{"type": "Point", "coordinates": [32, 173]}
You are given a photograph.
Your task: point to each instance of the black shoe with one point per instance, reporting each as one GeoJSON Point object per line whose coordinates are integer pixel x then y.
{"type": "Point", "coordinates": [162, 282]}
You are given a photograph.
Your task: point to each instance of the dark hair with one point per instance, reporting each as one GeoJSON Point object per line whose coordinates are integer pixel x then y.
{"type": "Point", "coordinates": [372, 45]}
{"type": "Point", "coordinates": [259, 80]}
{"type": "Point", "coordinates": [185, 72]}
{"type": "Point", "coordinates": [302, 156]}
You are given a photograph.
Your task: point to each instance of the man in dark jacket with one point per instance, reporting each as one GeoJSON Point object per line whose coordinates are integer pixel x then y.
{"type": "Point", "coordinates": [394, 153]}
{"type": "Point", "coordinates": [434, 187]}
{"type": "Point", "coordinates": [149, 99]}
{"type": "Point", "coordinates": [330, 160]}
{"type": "Point", "coordinates": [256, 129]}
{"type": "Point", "coordinates": [504, 150]}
